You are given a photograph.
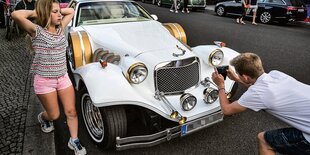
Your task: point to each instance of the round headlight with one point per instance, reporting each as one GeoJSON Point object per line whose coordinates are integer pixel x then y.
{"type": "Point", "coordinates": [216, 57]}
{"type": "Point", "coordinates": [188, 101]}
{"type": "Point", "coordinates": [137, 73]}
{"type": "Point", "coordinates": [210, 95]}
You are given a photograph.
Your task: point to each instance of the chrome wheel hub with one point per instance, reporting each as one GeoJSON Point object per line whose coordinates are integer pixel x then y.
{"type": "Point", "coordinates": [92, 118]}
{"type": "Point", "coordinates": [265, 17]}
{"type": "Point", "coordinates": [220, 11]}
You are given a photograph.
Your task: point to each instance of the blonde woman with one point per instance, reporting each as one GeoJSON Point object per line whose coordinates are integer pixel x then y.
{"type": "Point", "coordinates": [51, 79]}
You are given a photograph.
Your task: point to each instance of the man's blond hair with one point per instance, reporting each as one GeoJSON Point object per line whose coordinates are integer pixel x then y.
{"type": "Point", "coordinates": [248, 64]}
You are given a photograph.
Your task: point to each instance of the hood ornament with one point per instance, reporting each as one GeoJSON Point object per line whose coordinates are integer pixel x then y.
{"type": "Point", "coordinates": [177, 55]}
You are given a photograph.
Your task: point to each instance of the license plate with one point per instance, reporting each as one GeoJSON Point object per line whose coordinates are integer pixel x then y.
{"type": "Point", "coordinates": [201, 123]}
{"type": "Point", "coordinates": [301, 10]}
{"type": "Point", "coordinates": [184, 130]}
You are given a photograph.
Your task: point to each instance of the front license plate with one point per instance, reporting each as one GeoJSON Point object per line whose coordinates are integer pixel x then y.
{"type": "Point", "coordinates": [183, 130]}
{"type": "Point", "coordinates": [301, 10]}
{"type": "Point", "coordinates": [201, 123]}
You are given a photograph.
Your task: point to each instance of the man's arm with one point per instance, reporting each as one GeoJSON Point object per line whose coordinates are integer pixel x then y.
{"type": "Point", "coordinates": [227, 107]}
{"type": "Point", "coordinates": [233, 76]}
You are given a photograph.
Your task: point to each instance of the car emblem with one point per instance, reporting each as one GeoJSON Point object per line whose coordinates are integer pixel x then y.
{"type": "Point", "coordinates": [177, 55]}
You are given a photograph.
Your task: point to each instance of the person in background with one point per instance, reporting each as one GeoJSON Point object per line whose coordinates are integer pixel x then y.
{"type": "Point", "coordinates": [51, 80]}
{"type": "Point", "coordinates": [25, 5]}
{"type": "Point", "coordinates": [276, 93]}
{"type": "Point", "coordinates": [2, 19]}
{"type": "Point", "coordinates": [174, 6]}
{"type": "Point", "coordinates": [245, 5]}
{"type": "Point", "coordinates": [253, 7]}
{"type": "Point", "coordinates": [185, 8]}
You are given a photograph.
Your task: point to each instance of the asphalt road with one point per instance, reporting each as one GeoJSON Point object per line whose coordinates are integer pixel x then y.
{"type": "Point", "coordinates": [284, 48]}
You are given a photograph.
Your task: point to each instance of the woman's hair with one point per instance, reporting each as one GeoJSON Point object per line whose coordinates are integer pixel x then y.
{"type": "Point", "coordinates": [249, 64]}
{"type": "Point", "coordinates": [43, 10]}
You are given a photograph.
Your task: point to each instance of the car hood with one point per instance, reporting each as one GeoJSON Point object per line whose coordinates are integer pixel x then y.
{"type": "Point", "coordinates": [132, 38]}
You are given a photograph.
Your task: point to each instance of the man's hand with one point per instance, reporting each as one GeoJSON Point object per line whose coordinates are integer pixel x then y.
{"type": "Point", "coordinates": [218, 79]}
{"type": "Point", "coordinates": [232, 75]}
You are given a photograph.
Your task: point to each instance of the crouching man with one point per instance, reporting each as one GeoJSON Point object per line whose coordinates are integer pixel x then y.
{"type": "Point", "coordinates": [278, 94]}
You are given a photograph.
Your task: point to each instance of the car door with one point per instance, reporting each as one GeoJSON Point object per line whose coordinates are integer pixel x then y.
{"type": "Point", "coordinates": [234, 7]}
{"type": "Point", "coordinates": [276, 8]}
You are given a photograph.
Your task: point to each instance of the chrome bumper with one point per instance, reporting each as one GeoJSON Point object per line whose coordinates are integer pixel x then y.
{"type": "Point", "coordinates": [168, 134]}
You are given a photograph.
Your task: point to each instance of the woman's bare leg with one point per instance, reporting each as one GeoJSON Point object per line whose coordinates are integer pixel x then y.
{"type": "Point", "coordinates": [67, 97]}
{"type": "Point", "coordinates": [50, 104]}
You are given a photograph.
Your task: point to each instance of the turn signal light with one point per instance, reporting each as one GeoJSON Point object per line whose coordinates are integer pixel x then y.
{"type": "Point", "coordinates": [103, 63]}
{"type": "Point", "coordinates": [182, 120]}
{"type": "Point", "coordinates": [174, 114]}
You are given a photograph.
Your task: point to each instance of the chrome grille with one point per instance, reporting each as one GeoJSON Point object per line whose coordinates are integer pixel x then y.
{"type": "Point", "coordinates": [177, 76]}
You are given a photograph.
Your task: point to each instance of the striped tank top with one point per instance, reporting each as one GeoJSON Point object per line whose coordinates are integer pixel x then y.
{"type": "Point", "coordinates": [50, 53]}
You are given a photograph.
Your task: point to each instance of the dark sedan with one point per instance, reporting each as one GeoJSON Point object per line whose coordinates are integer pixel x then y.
{"type": "Point", "coordinates": [282, 11]}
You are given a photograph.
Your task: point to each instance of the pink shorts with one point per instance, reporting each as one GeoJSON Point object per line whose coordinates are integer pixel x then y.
{"type": "Point", "coordinates": [44, 85]}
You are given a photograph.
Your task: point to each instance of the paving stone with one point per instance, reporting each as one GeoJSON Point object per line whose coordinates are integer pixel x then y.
{"type": "Point", "coordinates": [14, 93]}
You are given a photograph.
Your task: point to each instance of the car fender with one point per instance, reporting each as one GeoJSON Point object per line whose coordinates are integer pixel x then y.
{"type": "Point", "coordinates": [204, 51]}
{"type": "Point", "coordinates": [108, 86]}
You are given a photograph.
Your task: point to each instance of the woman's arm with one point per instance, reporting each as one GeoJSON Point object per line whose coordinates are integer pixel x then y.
{"type": "Point", "coordinates": [21, 18]}
{"type": "Point", "coordinates": [68, 14]}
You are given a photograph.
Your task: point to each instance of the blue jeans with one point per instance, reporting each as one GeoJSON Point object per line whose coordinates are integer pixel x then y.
{"type": "Point", "coordinates": [288, 141]}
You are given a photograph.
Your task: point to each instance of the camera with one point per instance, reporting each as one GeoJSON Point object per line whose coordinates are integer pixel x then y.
{"type": "Point", "coordinates": [222, 70]}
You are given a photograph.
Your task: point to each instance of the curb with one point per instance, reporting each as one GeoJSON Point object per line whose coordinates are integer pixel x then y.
{"type": "Point", "coordinates": [35, 141]}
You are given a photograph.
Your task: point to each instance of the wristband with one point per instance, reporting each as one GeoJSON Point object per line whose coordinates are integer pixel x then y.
{"type": "Point", "coordinates": [221, 89]}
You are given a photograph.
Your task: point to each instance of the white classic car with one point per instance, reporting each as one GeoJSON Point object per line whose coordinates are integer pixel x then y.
{"type": "Point", "coordinates": [127, 67]}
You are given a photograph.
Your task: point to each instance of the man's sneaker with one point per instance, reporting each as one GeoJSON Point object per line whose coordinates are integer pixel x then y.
{"type": "Point", "coordinates": [171, 10]}
{"type": "Point", "coordinates": [46, 126]}
{"type": "Point", "coordinates": [77, 147]}
{"type": "Point", "coordinates": [176, 11]}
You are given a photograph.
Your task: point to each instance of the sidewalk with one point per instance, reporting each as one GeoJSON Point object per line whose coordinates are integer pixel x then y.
{"type": "Point", "coordinates": [20, 131]}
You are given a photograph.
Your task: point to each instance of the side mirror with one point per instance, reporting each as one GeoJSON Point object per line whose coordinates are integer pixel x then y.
{"type": "Point", "coordinates": [154, 17]}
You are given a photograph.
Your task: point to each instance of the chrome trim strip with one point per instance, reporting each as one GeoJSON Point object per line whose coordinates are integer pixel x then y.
{"type": "Point", "coordinates": [178, 31]}
{"type": "Point", "coordinates": [82, 47]}
{"type": "Point", "coordinates": [166, 135]}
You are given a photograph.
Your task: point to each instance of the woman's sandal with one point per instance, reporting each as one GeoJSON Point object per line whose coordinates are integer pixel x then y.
{"type": "Point", "coordinates": [254, 23]}
{"type": "Point", "coordinates": [242, 22]}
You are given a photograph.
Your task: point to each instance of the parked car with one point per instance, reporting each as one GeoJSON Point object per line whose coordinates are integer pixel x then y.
{"type": "Point", "coordinates": [193, 4]}
{"type": "Point", "coordinates": [281, 11]}
{"type": "Point", "coordinates": [127, 67]}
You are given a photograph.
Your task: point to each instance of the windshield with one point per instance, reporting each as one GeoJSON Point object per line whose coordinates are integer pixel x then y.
{"type": "Point", "coordinates": [110, 12]}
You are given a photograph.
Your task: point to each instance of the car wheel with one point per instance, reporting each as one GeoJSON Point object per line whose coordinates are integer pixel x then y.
{"type": "Point", "coordinates": [265, 17]}
{"type": "Point", "coordinates": [233, 91]}
{"type": "Point", "coordinates": [178, 5]}
{"type": "Point", "coordinates": [159, 3]}
{"type": "Point", "coordinates": [220, 11]}
{"type": "Point", "coordinates": [102, 124]}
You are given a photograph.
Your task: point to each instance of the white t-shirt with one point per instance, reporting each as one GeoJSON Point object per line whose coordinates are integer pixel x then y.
{"type": "Point", "coordinates": [283, 97]}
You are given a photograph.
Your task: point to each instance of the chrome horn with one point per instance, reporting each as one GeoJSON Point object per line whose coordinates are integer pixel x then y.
{"type": "Point", "coordinates": [174, 113]}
